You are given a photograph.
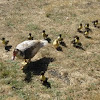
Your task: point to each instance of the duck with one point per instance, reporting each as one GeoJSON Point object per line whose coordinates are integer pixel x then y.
{"type": "Point", "coordinates": [44, 34]}
{"type": "Point", "coordinates": [76, 42]}
{"type": "Point", "coordinates": [80, 28]}
{"type": "Point", "coordinates": [30, 36]}
{"type": "Point", "coordinates": [95, 23]}
{"type": "Point", "coordinates": [26, 50]}
{"type": "Point", "coordinates": [43, 79]}
{"type": "Point", "coordinates": [56, 43]}
{"type": "Point", "coordinates": [60, 39]}
{"type": "Point", "coordinates": [4, 41]}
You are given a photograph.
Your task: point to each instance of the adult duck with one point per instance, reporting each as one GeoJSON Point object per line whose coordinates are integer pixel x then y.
{"type": "Point", "coordinates": [28, 49]}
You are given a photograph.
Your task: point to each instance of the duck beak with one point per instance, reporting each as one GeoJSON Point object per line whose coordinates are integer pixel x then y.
{"type": "Point", "coordinates": [14, 54]}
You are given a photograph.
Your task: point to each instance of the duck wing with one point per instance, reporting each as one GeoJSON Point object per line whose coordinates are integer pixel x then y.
{"type": "Point", "coordinates": [30, 47]}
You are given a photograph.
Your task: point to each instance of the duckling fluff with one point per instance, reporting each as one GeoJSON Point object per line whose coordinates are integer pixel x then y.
{"type": "Point", "coordinates": [28, 49]}
{"type": "Point", "coordinates": [56, 43]}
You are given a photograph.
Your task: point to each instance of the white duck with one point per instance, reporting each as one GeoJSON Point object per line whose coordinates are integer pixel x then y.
{"type": "Point", "coordinates": [27, 49]}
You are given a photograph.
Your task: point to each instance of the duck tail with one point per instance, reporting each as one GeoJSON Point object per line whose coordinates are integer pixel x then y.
{"type": "Point", "coordinates": [43, 43]}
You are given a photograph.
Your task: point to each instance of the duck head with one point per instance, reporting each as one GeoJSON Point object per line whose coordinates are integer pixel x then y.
{"type": "Point", "coordinates": [15, 52]}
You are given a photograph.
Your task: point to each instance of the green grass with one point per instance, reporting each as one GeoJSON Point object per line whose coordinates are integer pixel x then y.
{"type": "Point", "coordinates": [32, 27]}
{"type": "Point", "coordinates": [73, 74]}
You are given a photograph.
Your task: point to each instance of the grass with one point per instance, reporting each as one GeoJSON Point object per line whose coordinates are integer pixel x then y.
{"type": "Point", "coordinates": [73, 73]}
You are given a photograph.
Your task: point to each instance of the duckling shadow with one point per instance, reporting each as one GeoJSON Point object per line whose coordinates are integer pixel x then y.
{"type": "Point", "coordinates": [47, 84]}
{"type": "Point", "coordinates": [7, 48]}
{"type": "Point", "coordinates": [49, 40]}
{"type": "Point", "coordinates": [88, 29]}
{"type": "Point", "coordinates": [63, 44]}
{"type": "Point", "coordinates": [79, 46]}
{"type": "Point", "coordinates": [36, 67]}
{"type": "Point", "coordinates": [80, 31]}
{"type": "Point", "coordinates": [59, 49]}
{"type": "Point", "coordinates": [88, 37]}
{"type": "Point", "coordinates": [98, 26]}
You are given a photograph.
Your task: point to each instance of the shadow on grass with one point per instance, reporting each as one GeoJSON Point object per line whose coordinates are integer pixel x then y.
{"type": "Point", "coordinates": [88, 37]}
{"type": "Point", "coordinates": [59, 49]}
{"type": "Point", "coordinates": [79, 47]}
{"type": "Point", "coordinates": [47, 84]}
{"type": "Point", "coordinates": [63, 44]}
{"type": "Point", "coordinates": [49, 40]}
{"type": "Point", "coordinates": [36, 67]}
{"type": "Point", "coordinates": [7, 48]}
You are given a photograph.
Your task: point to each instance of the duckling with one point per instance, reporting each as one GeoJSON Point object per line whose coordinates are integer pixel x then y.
{"type": "Point", "coordinates": [44, 34]}
{"type": "Point", "coordinates": [95, 23]}
{"type": "Point", "coordinates": [5, 42]}
{"type": "Point", "coordinates": [30, 36]}
{"type": "Point", "coordinates": [76, 42]}
{"type": "Point", "coordinates": [60, 39]}
{"type": "Point", "coordinates": [86, 33]}
{"type": "Point", "coordinates": [56, 43]}
{"type": "Point", "coordinates": [80, 28]}
{"type": "Point", "coordinates": [87, 26]}
{"type": "Point", "coordinates": [43, 78]}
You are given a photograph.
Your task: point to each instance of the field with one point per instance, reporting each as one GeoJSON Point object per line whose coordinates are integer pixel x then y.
{"type": "Point", "coordinates": [73, 74]}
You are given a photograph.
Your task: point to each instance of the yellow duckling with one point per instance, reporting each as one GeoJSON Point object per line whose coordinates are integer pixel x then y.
{"type": "Point", "coordinates": [44, 34]}
{"type": "Point", "coordinates": [80, 27]}
{"type": "Point", "coordinates": [76, 39]}
{"type": "Point", "coordinates": [76, 42]}
{"type": "Point", "coordinates": [56, 43]}
{"type": "Point", "coordinates": [86, 26]}
{"type": "Point", "coordinates": [95, 23]}
{"type": "Point", "coordinates": [86, 33]}
{"type": "Point", "coordinates": [5, 42]}
{"type": "Point", "coordinates": [60, 39]}
{"type": "Point", "coordinates": [43, 78]}
{"type": "Point", "coordinates": [30, 37]}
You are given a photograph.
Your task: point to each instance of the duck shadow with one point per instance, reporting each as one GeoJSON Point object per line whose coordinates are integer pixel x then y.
{"type": "Point", "coordinates": [49, 40]}
{"type": "Point", "coordinates": [7, 48]}
{"type": "Point", "coordinates": [36, 67]}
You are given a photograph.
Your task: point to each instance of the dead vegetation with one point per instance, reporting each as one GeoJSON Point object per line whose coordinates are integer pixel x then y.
{"type": "Point", "coordinates": [74, 74]}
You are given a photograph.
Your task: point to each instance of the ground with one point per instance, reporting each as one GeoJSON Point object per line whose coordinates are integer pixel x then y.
{"type": "Point", "coordinates": [73, 74]}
